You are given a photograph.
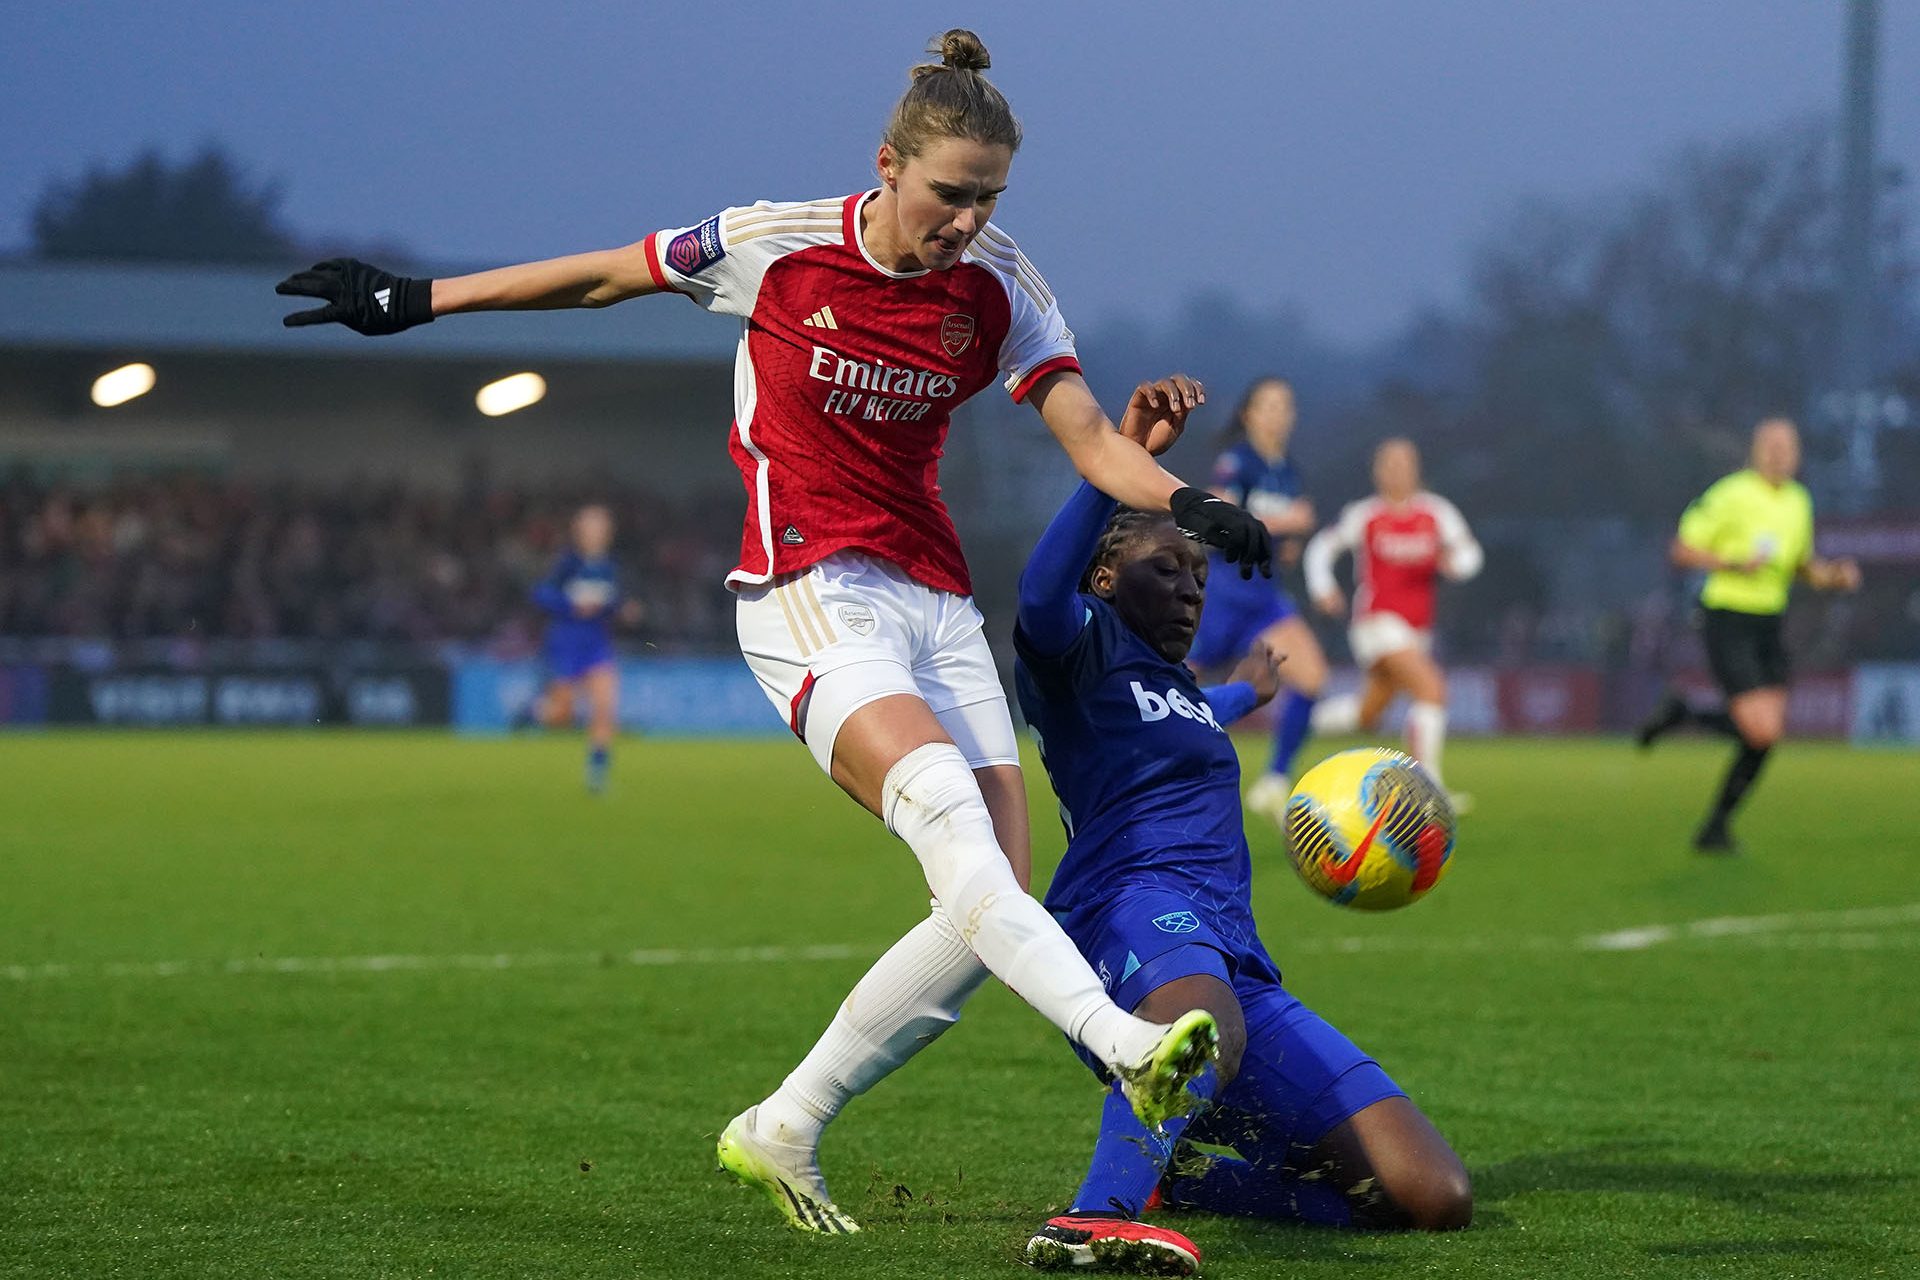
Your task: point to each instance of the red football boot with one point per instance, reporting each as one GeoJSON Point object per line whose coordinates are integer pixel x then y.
{"type": "Point", "coordinates": [1073, 1242]}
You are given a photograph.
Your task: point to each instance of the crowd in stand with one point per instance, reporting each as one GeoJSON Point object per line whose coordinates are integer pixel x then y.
{"type": "Point", "coordinates": [197, 557]}
{"type": "Point", "coordinates": [191, 556]}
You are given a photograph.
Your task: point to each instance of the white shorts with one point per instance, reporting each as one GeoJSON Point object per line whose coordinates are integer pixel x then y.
{"type": "Point", "coordinates": [1375, 635]}
{"type": "Point", "coordinates": [852, 629]}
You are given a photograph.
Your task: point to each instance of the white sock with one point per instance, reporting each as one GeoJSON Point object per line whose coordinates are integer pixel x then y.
{"type": "Point", "coordinates": [905, 1002]}
{"type": "Point", "coordinates": [1337, 714]}
{"type": "Point", "coordinates": [931, 800]}
{"type": "Point", "coordinates": [1427, 735]}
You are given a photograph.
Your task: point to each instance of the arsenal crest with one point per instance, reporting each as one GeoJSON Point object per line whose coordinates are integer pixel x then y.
{"type": "Point", "coordinates": [956, 334]}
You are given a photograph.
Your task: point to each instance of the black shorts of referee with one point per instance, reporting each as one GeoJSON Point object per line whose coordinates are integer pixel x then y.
{"type": "Point", "coordinates": [1746, 651]}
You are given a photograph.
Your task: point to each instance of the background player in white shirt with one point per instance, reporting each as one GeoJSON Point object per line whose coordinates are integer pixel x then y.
{"type": "Point", "coordinates": [865, 320]}
{"type": "Point", "coordinates": [1402, 539]}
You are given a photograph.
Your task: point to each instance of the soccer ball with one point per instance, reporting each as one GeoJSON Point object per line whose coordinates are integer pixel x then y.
{"type": "Point", "coordinates": [1368, 828]}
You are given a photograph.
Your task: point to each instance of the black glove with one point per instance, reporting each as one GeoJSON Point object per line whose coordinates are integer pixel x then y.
{"type": "Point", "coordinates": [1219, 523]}
{"type": "Point", "coordinates": [360, 296]}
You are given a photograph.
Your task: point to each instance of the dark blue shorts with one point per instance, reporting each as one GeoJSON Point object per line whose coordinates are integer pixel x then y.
{"type": "Point", "coordinates": [571, 661]}
{"type": "Point", "coordinates": [1300, 1076]}
{"type": "Point", "coordinates": [1230, 621]}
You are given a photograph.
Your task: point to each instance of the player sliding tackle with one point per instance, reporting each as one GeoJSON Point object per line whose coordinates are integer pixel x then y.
{"type": "Point", "coordinates": [855, 609]}
{"type": "Point", "coordinates": [1155, 889]}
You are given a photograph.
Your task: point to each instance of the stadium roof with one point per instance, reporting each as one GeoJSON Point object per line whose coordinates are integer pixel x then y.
{"type": "Point", "coordinates": [233, 310]}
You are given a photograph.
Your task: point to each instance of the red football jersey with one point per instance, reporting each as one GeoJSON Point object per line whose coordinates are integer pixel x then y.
{"type": "Point", "coordinates": [848, 373]}
{"type": "Point", "coordinates": [1398, 550]}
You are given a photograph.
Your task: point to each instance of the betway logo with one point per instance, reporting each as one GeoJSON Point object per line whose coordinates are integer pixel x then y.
{"type": "Point", "coordinates": [1406, 548]}
{"type": "Point", "coordinates": [1157, 706]}
{"type": "Point", "coordinates": [884, 379]}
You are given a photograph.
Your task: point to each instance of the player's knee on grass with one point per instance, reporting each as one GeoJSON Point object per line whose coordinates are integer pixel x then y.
{"type": "Point", "coordinates": [1202, 991]}
{"type": "Point", "coordinates": [1438, 1200]}
{"type": "Point", "coordinates": [1399, 1174]}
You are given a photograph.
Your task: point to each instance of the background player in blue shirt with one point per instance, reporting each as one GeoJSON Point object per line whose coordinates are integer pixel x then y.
{"type": "Point", "coordinates": [582, 601]}
{"type": "Point", "coordinates": [1155, 889]}
{"type": "Point", "coordinates": [1256, 473]}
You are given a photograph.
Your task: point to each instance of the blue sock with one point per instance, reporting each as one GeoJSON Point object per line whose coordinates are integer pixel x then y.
{"type": "Point", "coordinates": [1291, 724]}
{"type": "Point", "coordinates": [1245, 1190]}
{"type": "Point", "coordinates": [597, 760]}
{"type": "Point", "coordinates": [1127, 1159]}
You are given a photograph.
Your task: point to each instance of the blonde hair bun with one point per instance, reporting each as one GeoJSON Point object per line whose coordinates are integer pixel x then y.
{"type": "Point", "coordinates": [962, 105]}
{"type": "Point", "coordinates": [961, 50]}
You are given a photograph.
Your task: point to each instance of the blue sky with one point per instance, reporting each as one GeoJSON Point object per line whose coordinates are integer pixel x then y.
{"type": "Point", "coordinates": [1341, 158]}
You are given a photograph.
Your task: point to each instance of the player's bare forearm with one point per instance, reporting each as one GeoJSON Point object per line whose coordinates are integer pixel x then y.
{"type": "Point", "coordinates": [1686, 556]}
{"type": "Point", "coordinates": [1105, 459]}
{"type": "Point", "coordinates": [597, 279]}
{"type": "Point", "coordinates": [1831, 575]}
{"type": "Point", "coordinates": [1126, 472]}
{"type": "Point", "coordinates": [1298, 519]}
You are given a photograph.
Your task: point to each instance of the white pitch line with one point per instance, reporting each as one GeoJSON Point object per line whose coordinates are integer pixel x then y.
{"type": "Point", "coordinates": [1652, 935]}
{"type": "Point", "coordinates": [1847, 929]}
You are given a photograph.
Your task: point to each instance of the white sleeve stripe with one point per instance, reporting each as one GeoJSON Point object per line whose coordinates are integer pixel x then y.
{"type": "Point", "coordinates": [1030, 284]}
{"type": "Point", "coordinates": [829, 230]}
{"type": "Point", "coordinates": [1001, 245]}
{"type": "Point", "coordinates": [739, 226]}
{"type": "Point", "coordinates": [764, 211]}
{"type": "Point", "coordinates": [732, 228]}
{"type": "Point", "coordinates": [1007, 256]}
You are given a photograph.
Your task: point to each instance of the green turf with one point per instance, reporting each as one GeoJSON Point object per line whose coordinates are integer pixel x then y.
{"type": "Point", "coordinates": [1731, 1105]}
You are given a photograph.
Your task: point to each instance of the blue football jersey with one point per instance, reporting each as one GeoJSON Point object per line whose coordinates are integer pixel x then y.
{"type": "Point", "coordinates": [1264, 488]}
{"type": "Point", "coordinates": [577, 581]}
{"type": "Point", "coordinates": [1148, 780]}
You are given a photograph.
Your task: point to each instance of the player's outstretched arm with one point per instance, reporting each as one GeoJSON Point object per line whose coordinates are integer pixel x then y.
{"type": "Point", "coordinates": [1121, 468]}
{"type": "Point", "coordinates": [375, 302]}
{"type": "Point", "coordinates": [1251, 686]}
{"type": "Point", "coordinates": [1117, 466]}
{"type": "Point", "coordinates": [1316, 563]}
{"type": "Point", "coordinates": [597, 279]}
{"type": "Point", "coordinates": [1050, 610]}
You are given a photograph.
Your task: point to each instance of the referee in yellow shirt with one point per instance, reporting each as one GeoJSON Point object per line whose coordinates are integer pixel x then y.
{"type": "Point", "coordinates": [1753, 534]}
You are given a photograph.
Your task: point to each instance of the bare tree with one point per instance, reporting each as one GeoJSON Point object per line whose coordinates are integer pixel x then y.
{"type": "Point", "coordinates": [1622, 350]}
{"type": "Point", "coordinates": [153, 210]}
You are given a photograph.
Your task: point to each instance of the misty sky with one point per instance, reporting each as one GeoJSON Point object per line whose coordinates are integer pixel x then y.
{"type": "Point", "coordinates": [1339, 157]}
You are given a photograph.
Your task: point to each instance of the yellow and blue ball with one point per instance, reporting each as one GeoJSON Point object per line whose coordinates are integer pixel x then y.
{"type": "Point", "coordinates": [1369, 828]}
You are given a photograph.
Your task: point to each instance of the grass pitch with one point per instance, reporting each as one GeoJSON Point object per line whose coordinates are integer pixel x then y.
{"type": "Point", "coordinates": [343, 1005]}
